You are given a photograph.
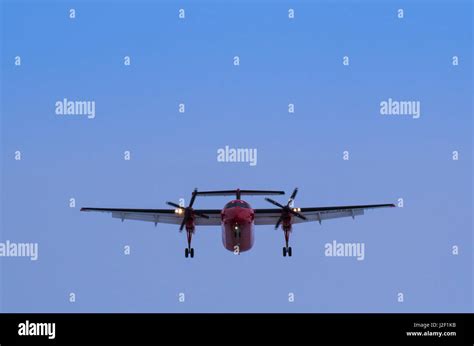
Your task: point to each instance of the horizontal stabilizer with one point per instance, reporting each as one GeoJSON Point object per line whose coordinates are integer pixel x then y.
{"type": "Point", "coordinates": [238, 193]}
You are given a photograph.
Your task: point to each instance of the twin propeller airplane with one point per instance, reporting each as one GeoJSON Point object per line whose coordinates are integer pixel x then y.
{"type": "Point", "coordinates": [238, 218]}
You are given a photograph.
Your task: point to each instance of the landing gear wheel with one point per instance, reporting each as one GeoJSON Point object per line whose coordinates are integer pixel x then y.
{"type": "Point", "coordinates": [191, 252]}
{"type": "Point", "coordinates": [289, 251]}
{"type": "Point", "coordinates": [284, 252]}
{"type": "Point", "coordinates": [186, 253]}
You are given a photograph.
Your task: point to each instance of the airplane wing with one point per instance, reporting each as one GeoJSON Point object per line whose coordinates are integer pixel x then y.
{"type": "Point", "coordinates": [271, 216]}
{"type": "Point", "coordinates": [161, 215]}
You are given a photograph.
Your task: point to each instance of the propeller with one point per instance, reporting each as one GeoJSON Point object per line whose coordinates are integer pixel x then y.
{"type": "Point", "coordinates": [286, 209]}
{"type": "Point", "coordinates": [188, 211]}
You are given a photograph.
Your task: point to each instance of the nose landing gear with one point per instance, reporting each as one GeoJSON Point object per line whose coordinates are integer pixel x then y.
{"type": "Point", "coordinates": [237, 232]}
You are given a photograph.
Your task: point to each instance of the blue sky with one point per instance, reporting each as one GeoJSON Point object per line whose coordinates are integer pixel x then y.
{"type": "Point", "coordinates": [282, 61]}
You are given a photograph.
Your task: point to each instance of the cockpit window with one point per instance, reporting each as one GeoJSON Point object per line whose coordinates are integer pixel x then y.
{"type": "Point", "coordinates": [237, 204]}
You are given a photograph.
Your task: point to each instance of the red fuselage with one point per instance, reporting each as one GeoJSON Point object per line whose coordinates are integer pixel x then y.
{"type": "Point", "coordinates": [237, 220]}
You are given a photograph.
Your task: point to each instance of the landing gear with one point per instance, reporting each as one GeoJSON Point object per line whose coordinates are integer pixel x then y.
{"type": "Point", "coordinates": [287, 250]}
{"type": "Point", "coordinates": [237, 232]}
{"type": "Point", "coordinates": [189, 252]}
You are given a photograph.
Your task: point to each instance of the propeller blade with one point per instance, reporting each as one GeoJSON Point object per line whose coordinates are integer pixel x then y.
{"type": "Point", "coordinates": [274, 202]}
{"type": "Point", "coordinates": [193, 197]}
{"type": "Point", "coordinates": [174, 205]}
{"type": "Point", "coordinates": [182, 224]}
{"type": "Point", "coordinates": [278, 223]}
{"type": "Point", "coordinates": [293, 195]}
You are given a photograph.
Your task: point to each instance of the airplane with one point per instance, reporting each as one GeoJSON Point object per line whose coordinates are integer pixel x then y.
{"type": "Point", "coordinates": [237, 219]}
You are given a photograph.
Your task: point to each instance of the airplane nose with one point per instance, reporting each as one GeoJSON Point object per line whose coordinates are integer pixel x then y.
{"type": "Point", "coordinates": [244, 217]}
{"type": "Point", "coordinates": [240, 216]}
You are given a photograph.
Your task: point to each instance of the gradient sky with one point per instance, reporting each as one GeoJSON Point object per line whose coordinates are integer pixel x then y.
{"type": "Point", "coordinates": [282, 61]}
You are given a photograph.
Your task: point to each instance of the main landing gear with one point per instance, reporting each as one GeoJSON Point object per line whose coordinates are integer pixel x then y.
{"type": "Point", "coordinates": [189, 251]}
{"type": "Point", "coordinates": [287, 249]}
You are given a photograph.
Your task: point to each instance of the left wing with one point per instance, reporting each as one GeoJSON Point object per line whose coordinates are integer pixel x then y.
{"type": "Point", "coordinates": [271, 216]}
{"type": "Point", "coordinates": [161, 215]}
